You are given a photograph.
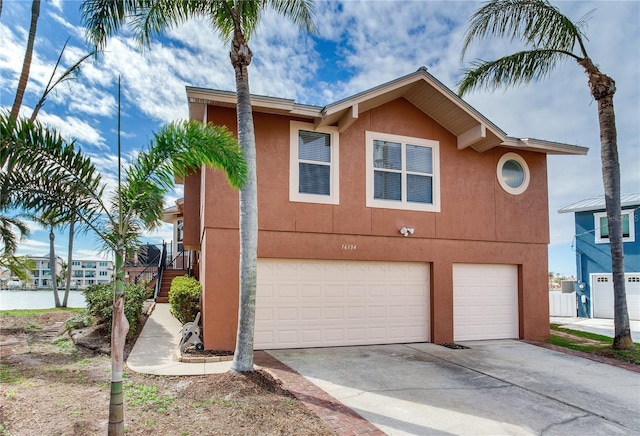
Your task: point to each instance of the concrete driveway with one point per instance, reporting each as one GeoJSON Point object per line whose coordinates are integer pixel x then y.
{"type": "Point", "coordinates": [493, 388]}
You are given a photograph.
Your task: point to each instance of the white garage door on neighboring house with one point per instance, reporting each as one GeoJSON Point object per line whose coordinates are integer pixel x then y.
{"type": "Point", "coordinates": [485, 302]}
{"type": "Point", "coordinates": [317, 303]}
{"type": "Point", "coordinates": [602, 295]}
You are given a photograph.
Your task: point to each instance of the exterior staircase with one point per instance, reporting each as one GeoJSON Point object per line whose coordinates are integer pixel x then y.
{"type": "Point", "coordinates": [167, 276]}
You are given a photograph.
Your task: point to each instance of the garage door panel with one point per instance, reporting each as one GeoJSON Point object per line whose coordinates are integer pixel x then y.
{"type": "Point", "coordinates": [603, 300]}
{"type": "Point", "coordinates": [341, 303]}
{"type": "Point", "coordinates": [485, 301]}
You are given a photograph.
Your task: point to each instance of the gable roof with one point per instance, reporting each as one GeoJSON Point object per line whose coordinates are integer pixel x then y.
{"type": "Point", "coordinates": [420, 88]}
{"type": "Point", "coordinates": [598, 203]}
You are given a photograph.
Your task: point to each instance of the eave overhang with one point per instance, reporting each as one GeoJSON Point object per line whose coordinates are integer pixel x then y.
{"type": "Point", "coordinates": [420, 88]}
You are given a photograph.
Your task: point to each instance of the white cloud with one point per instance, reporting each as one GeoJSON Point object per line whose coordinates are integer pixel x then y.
{"type": "Point", "coordinates": [73, 128]}
{"type": "Point", "coordinates": [33, 247]}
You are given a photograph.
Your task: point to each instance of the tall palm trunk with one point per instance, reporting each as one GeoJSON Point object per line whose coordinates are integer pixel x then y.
{"type": "Point", "coordinates": [53, 267]}
{"type": "Point", "coordinates": [119, 330]}
{"type": "Point", "coordinates": [26, 64]}
{"type": "Point", "coordinates": [67, 285]}
{"type": "Point", "coordinates": [603, 88]}
{"type": "Point", "coordinates": [240, 59]}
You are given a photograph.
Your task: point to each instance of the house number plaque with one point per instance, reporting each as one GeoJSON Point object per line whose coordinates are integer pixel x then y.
{"type": "Point", "coordinates": [349, 247]}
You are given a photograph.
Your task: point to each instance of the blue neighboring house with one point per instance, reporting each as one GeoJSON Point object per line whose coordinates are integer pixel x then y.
{"type": "Point", "coordinates": [593, 256]}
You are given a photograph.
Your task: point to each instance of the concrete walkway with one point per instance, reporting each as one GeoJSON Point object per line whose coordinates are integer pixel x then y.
{"type": "Point", "coordinates": [156, 350]}
{"type": "Point", "coordinates": [595, 325]}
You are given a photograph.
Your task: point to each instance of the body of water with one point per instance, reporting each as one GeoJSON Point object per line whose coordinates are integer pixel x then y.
{"type": "Point", "coordinates": [38, 299]}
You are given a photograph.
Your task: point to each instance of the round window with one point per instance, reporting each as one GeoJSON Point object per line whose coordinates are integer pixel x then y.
{"type": "Point", "coordinates": [513, 173]}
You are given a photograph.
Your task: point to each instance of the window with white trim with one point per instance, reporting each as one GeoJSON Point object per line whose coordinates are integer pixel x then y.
{"type": "Point", "coordinates": [513, 173]}
{"type": "Point", "coordinates": [313, 164]}
{"type": "Point", "coordinates": [402, 172]}
{"type": "Point", "coordinates": [601, 226]}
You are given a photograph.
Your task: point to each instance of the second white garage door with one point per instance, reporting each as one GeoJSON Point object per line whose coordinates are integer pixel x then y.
{"type": "Point", "coordinates": [485, 302]}
{"type": "Point", "coordinates": [602, 295]}
{"type": "Point", "coordinates": [312, 303]}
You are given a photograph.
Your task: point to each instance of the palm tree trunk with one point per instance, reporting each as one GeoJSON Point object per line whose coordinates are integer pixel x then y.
{"type": "Point", "coordinates": [603, 88]}
{"type": "Point", "coordinates": [67, 286]}
{"type": "Point", "coordinates": [52, 266]}
{"type": "Point", "coordinates": [119, 330]}
{"type": "Point", "coordinates": [243, 356]}
{"type": "Point", "coordinates": [26, 64]}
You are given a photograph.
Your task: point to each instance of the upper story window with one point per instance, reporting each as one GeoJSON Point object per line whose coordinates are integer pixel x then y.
{"type": "Point", "coordinates": [313, 169]}
{"type": "Point", "coordinates": [513, 173]}
{"type": "Point", "coordinates": [601, 226]}
{"type": "Point", "coordinates": [75, 263]}
{"type": "Point", "coordinates": [103, 264]}
{"type": "Point", "coordinates": [179, 230]}
{"type": "Point", "coordinates": [402, 172]}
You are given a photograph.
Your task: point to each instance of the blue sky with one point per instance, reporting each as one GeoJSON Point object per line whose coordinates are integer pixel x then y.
{"type": "Point", "coordinates": [359, 45]}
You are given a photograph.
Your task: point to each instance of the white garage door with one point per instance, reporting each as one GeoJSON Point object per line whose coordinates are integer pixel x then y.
{"type": "Point", "coordinates": [311, 303]}
{"type": "Point", "coordinates": [602, 295]}
{"type": "Point", "coordinates": [485, 302]}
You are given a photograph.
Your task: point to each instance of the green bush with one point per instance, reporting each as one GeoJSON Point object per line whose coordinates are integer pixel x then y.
{"type": "Point", "coordinates": [100, 303]}
{"type": "Point", "coordinates": [184, 297]}
{"type": "Point", "coordinates": [82, 319]}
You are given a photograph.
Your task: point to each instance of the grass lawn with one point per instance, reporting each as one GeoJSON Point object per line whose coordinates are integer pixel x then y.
{"type": "Point", "coordinates": [591, 343]}
{"type": "Point", "coordinates": [36, 312]}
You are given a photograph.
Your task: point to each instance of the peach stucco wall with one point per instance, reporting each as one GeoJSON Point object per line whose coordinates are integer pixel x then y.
{"type": "Point", "coordinates": [478, 223]}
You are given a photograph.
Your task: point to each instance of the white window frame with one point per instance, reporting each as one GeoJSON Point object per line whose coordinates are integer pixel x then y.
{"type": "Point", "coordinates": [527, 174]}
{"type": "Point", "coordinates": [632, 228]}
{"type": "Point", "coordinates": [403, 204]}
{"type": "Point", "coordinates": [294, 176]}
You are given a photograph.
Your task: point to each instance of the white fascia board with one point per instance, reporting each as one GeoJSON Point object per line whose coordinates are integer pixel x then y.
{"type": "Point", "coordinates": [259, 102]}
{"type": "Point", "coordinates": [548, 147]}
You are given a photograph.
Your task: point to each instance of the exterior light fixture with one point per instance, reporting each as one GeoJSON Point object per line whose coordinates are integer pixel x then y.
{"type": "Point", "coordinates": [406, 231]}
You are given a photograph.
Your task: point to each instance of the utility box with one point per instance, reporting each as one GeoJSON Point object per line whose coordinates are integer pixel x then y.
{"type": "Point", "coordinates": [568, 286]}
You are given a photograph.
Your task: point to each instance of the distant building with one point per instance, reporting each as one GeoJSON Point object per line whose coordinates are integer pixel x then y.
{"type": "Point", "coordinates": [84, 273]}
{"type": "Point", "coordinates": [593, 256]}
{"type": "Point", "coordinates": [39, 277]}
{"type": "Point", "coordinates": [91, 272]}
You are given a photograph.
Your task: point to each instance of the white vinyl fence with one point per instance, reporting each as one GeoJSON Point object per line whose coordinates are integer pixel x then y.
{"type": "Point", "coordinates": [562, 303]}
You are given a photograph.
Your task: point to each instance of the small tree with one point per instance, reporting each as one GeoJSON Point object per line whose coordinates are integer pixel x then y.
{"type": "Point", "coordinates": [53, 172]}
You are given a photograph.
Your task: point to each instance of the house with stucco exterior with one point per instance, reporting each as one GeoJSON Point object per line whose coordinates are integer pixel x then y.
{"type": "Point", "coordinates": [397, 215]}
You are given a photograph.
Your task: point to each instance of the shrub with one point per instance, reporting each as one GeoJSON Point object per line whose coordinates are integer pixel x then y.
{"type": "Point", "coordinates": [100, 303]}
{"type": "Point", "coordinates": [78, 321]}
{"type": "Point", "coordinates": [184, 297]}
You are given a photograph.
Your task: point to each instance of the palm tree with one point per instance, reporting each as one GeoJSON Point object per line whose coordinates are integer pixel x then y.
{"type": "Point", "coordinates": [137, 204]}
{"type": "Point", "coordinates": [52, 218]}
{"type": "Point", "coordinates": [26, 63]}
{"type": "Point", "coordinates": [552, 38]}
{"type": "Point", "coordinates": [236, 21]}
{"type": "Point", "coordinates": [8, 260]}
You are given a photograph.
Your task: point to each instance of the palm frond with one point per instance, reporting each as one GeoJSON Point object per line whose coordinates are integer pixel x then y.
{"type": "Point", "coordinates": [300, 12]}
{"type": "Point", "coordinates": [32, 149]}
{"type": "Point", "coordinates": [518, 68]}
{"type": "Point", "coordinates": [17, 265]}
{"type": "Point", "coordinates": [152, 17]}
{"type": "Point", "coordinates": [178, 149]}
{"type": "Point", "coordinates": [191, 144]}
{"type": "Point", "coordinates": [536, 22]}
{"type": "Point", "coordinates": [104, 18]}
{"type": "Point", "coordinates": [47, 176]}
{"type": "Point", "coordinates": [8, 236]}
{"type": "Point", "coordinates": [66, 75]}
